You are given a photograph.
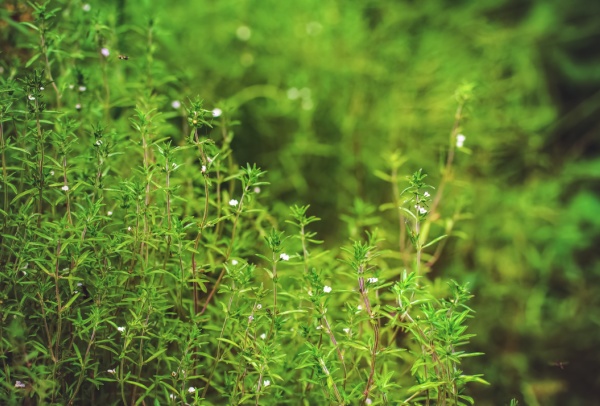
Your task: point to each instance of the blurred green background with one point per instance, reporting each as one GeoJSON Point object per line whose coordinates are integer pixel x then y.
{"type": "Point", "coordinates": [327, 91]}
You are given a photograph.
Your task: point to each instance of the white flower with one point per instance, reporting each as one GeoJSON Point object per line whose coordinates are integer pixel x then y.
{"type": "Point", "coordinates": [109, 213]}
{"type": "Point", "coordinates": [98, 142]}
{"type": "Point", "coordinates": [234, 262]}
{"type": "Point", "coordinates": [86, 7]}
{"type": "Point", "coordinates": [266, 383]}
{"type": "Point", "coordinates": [243, 32]}
{"type": "Point", "coordinates": [347, 330]}
{"type": "Point", "coordinates": [258, 306]}
{"type": "Point", "coordinates": [422, 210]}
{"type": "Point", "coordinates": [359, 308]}
{"type": "Point", "coordinates": [217, 112]}
{"type": "Point", "coordinates": [203, 168]}
{"type": "Point", "coordinates": [19, 384]}
{"type": "Point", "coordinates": [105, 51]}
{"type": "Point", "coordinates": [293, 93]}
{"type": "Point", "coordinates": [79, 284]}
{"type": "Point", "coordinates": [284, 257]}
{"type": "Point", "coordinates": [191, 389]}
{"type": "Point", "coordinates": [310, 293]}
{"type": "Point", "coordinates": [233, 202]}
{"type": "Point", "coordinates": [368, 401]}
{"type": "Point", "coordinates": [82, 88]}
{"type": "Point", "coordinates": [52, 173]}
{"type": "Point", "coordinates": [327, 289]}
{"type": "Point", "coordinates": [176, 104]}
{"type": "Point", "coordinates": [112, 371]}
{"type": "Point", "coordinates": [250, 318]}
{"type": "Point", "coordinates": [209, 159]}
{"type": "Point", "coordinates": [257, 190]}
{"type": "Point", "coordinates": [65, 188]}
{"type": "Point", "coordinates": [121, 329]}
{"type": "Point", "coordinates": [426, 194]}
{"type": "Point", "coordinates": [78, 106]}
{"type": "Point", "coordinates": [41, 87]}
{"type": "Point", "coordinates": [30, 97]}
{"type": "Point", "coordinates": [460, 140]}
{"type": "Point", "coordinates": [372, 280]}
{"type": "Point", "coordinates": [319, 327]}
{"type": "Point", "coordinates": [129, 228]}
{"type": "Point", "coordinates": [172, 396]}
{"type": "Point", "coordinates": [263, 336]}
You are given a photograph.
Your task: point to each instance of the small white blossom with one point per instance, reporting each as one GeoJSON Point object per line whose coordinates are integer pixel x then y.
{"type": "Point", "coordinates": [105, 52]}
{"type": "Point", "coordinates": [310, 293]}
{"type": "Point", "coordinates": [65, 188]}
{"type": "Point", "coordinates": [98, 142]}
{"type": "Point", "coordinates": [129, 228]}
{"type": "Point", "coordinates": [256, 190]}
{"type": "Point", "coordinates": [327, 289]}
{"type": "Point", "coordinates": [372, 280]}
{"type": "Point", "coordinates": [233, 202]}
{"type": "Point", "coordinates": [78, 106]}
{"type": "Point", "coordinates": [422, 210]}
{"type": "Point", "coordinates": [368, 401]}
{"type": "Point", "coordinates": [41, 87]}
{"type": "Point", "coordinates": [176, 104]}
{"type": "Point", "coordinates": [75, 291]}
{"type": "Point", "coordinates": [121, 329]}
{"type": "Point", "coordinates": [426, 194]}
{"type": "Point", "coordinates": [258, 306]}
{"type": "Point", "coordinates": [284, 257]}
{"type": "Point", "coordinates": [109, 213]}
{"type": "Point", "coordinates": [217, 112]}
{"type": "Point", "coordinates": [250, 318]}
{"type": "Point", "coordinates": [359, 308]}
{"type": "Point", "coordinates": [266, 383]}
{"type": "Point", "coordinates": [347, 330]}
{"type": "Point", "coordinates": [460, 140]}
{"type": "Point", "coordinates": [319, 327]}
{"type": "Point", "coordinates": [19, 384]}
{"type": "Point", "coordinates": [51, 173]}
{"type": "Point", "coordinates": [172, 396]}
{"type": "Point", "coordinates": [209, 159]}
{"type": "Point", "coordinates": [243, 33]}
{"type": "Point", "coordinates": [203, 169]}
{"type": "Point", "coordinates": [112, 371]}
{"type": "Point", "coordinates": [234, 262]}
{"type": "Point", "coordinates": [263, 336]}
{"type": "Point", "coordinates": [86, 7]}
{"type": "Point", "coordinates": [30, 97]}
{"type": "Point", "coordinates": [191, 389]}
{"type": "Point", "coordinates": [82, 88]}
{"type": "Point", "coordinates": [79, 284]}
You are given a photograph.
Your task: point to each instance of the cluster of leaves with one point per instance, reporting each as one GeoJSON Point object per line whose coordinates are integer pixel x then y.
{"type": "Point", "coordinates": [133, 267]}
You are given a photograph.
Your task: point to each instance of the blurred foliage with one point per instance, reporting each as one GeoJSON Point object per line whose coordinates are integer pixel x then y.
{"type": "Point", "coordinates": [329, 91]}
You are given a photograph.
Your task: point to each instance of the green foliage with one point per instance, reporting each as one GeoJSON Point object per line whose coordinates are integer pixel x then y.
{"type": "Point", "coordinates": [143, 263]}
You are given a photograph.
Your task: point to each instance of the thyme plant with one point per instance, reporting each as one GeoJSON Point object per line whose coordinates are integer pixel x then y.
{"type": "Point", "coordinates": [141, 264]}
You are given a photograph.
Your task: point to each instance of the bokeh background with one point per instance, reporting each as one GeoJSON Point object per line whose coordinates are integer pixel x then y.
{"type": "Point", "coordinates": [328, 93]}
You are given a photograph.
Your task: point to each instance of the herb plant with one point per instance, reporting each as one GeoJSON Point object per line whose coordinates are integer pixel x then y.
{"type": "Point", "coordinates": [141, 264]}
